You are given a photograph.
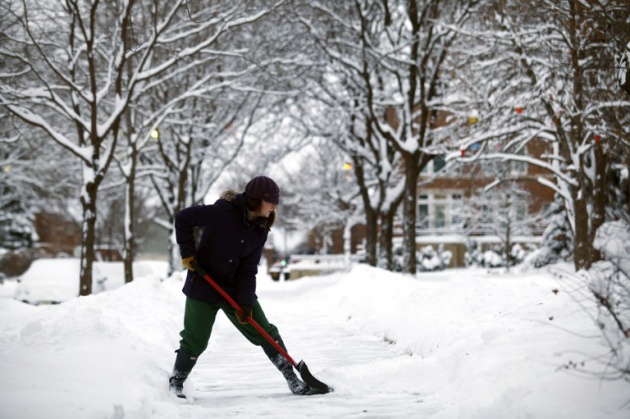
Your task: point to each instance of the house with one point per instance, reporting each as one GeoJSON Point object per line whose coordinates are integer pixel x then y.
{"type": "Point", "coordinates": [447, 200]}
{"type": "Point", "coordinates": [57, 234]}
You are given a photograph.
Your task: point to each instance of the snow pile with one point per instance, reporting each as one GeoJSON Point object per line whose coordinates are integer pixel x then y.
{"type": "Point", "coordinates": [90, 356]}
{"type": "Point", "coordinates": [52, 280]}
{"type": "Point", "coordinates": [609, 280]}
{"type": "Point", "coordinates": [503, 345]}
{"type": "Point", "coordinates": [450, 344]}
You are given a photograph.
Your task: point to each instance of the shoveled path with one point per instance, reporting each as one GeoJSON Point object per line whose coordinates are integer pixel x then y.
{"type": "Point", "coordinates": [235, 379]}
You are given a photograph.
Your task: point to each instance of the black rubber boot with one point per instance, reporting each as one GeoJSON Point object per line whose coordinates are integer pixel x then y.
{"type": "Point", "coordinates": [296, 385]}
{"type": "Point", "coordinates": [184, 363]}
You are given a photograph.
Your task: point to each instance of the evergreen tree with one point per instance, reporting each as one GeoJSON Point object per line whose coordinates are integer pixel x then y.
{"type": "Point", "coordinates": [557, 241]}
{"type": "Point", "coordinates": [16, 226]}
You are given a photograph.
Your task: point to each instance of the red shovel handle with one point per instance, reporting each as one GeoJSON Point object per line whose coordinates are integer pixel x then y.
{"type": "Point", "coordinates": [234, 304]}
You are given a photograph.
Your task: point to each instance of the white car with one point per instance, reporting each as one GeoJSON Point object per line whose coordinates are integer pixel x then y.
{"type": "Point", "coordinates": [52, 281]}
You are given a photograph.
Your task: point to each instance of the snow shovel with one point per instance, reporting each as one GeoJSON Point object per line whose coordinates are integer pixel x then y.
{"type": "Point", "coordinates": [301, 367]}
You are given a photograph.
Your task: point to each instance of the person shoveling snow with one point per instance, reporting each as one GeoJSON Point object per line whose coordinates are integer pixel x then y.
{"type": "Point", "coordinates": [235, 230]}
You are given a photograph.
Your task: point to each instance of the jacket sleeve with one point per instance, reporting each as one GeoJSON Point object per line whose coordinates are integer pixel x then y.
{"type": "Point", "coordinates": [246, 277]}
{"type": "Point", "coordinates": [185, 222]}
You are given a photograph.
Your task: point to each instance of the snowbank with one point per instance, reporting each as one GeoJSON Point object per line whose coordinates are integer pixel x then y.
{"type": "Point", "coordinates": [502, 345]}
{"type": "Point", "coordinates": [462, 344]}
{"type": "Point", "coordinates": [90, 356]}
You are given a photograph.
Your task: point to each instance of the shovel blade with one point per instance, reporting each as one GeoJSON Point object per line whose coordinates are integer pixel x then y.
{"type": "Point", "coordinates": [313, 383]}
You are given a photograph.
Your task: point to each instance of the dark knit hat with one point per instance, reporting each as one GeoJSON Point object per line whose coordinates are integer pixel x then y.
{"type": "Point", "coordinates": [262, 187]}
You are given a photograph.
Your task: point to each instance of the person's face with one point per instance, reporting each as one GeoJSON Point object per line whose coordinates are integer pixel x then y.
{"type": "Point", "coordinates": [266, 209]}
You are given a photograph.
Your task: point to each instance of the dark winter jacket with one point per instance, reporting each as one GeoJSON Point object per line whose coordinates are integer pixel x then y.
{"type": "Point", "coordinates": [229, 249]}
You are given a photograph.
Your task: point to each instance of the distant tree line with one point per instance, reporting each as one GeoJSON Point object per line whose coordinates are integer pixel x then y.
{"type": "Point", "coordinates": [154, 103]}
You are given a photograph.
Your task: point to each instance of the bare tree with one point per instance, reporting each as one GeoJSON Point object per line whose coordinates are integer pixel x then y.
{"type": "Point", "coordinates": [84, 65]}
{"type": "Point", "coordinates": [554, 89]}
{"type": "Point", "coordinates": [195, 154]}
{"type": "Point", "coordinates": [322, 195]}
{"type": "Point", "coordinates": [34, 177]}
{"type": "Point", "coordinates": [391, 60]}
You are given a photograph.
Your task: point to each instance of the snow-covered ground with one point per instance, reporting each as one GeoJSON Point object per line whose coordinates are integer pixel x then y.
{"type": "Point", "coordinates": [452, 344]}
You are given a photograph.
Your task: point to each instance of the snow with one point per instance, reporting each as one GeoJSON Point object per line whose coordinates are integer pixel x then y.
{"type": "Point", "coordinates": [613, 241]}
{"type": "Point", "coordinates": [452, 344]}
{"type": "Point", "coordinates": [50, 280]}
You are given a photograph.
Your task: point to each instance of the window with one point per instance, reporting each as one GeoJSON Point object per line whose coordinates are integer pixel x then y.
{"type": "Point", "coordinates": [456, 209]}
{"type": "Point", "coordinates": [518, 167]}
{"type": "Point", "coordinates": [504, 167]}
{"type": "Point", "coordinates": [440, 215]}
{"type": "Point", "coordinates": [438, 163]}
{"type": "Point", "coordinates": [423, 216]}
{"type": "Point", "coordinates": [439, 211]}
{"type": "Point", "coordinates": [434, 165]}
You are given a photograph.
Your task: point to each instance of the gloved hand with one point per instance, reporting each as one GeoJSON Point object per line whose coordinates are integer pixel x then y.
{"type": "Point", "coordinates": [244, 314]}
{"type": "Point", "coordinates": [187, 262]}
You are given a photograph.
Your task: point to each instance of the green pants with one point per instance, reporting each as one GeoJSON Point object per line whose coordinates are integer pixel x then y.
{"type": "Point", "coordinates": [199, 318]}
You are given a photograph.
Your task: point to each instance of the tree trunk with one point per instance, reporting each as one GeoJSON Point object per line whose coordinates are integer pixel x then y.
{"type": "Point", "coordinates": [409, 215]}
{"type": "Point", "coordinates": [129, 239]}
{"type": "Point", "coordinates": [88, 239]}
{"type": "Point", "coordinates": [347, 242]}
{"type": "Point", "coordinates": [508, 239]}
{"type": "Point", "coordinates": [371, 215]}
{"type": "Point", "coordinates": [385, 251]}
{"type": "Point", "coordinates": [173, 254]}
{"type": "Point", "coordinates": [581, 253]}
{"type": "Point", "coordinates": [129, 234]}
{"type": "Point", "coordinates": [177, 202]}
{"type": "Point", "coordinates": [371, 236]}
